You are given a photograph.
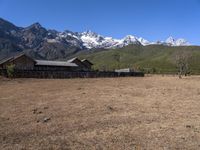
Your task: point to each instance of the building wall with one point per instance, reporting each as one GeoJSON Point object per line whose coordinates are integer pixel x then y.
{"type": "Point", "coordinates": [87, 65]}
{"type": "Point", "coordinates": [55, 68]}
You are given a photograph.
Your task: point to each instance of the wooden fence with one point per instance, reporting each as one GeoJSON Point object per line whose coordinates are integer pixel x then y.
{"type": "Point", "coordinates": [66, 74]}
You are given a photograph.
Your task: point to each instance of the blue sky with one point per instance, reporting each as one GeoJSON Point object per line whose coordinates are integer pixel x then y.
{"type": "Point", "coordinates": [151, 19]}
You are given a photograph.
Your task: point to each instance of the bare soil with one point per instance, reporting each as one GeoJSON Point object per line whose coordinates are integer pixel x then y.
{"type": "Point", "coordinates": [152, 113]}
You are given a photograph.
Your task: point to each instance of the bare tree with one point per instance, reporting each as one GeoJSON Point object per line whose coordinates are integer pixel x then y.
{"type": "Point", "coordinates": [182, 60]}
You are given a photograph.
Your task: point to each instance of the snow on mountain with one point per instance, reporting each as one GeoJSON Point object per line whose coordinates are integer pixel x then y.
{"type": "Point", "coordinates": [93, 40]}
{"type": "Point", "coordinates": [89, 40]}
{"type": "Point", "coordinates": [176, 42]}
{"type": "Point", "coordinates": [143, 41]}
{"type": "Point", "coordinates": [129, 39]}
{"type": "Point", "coordinates": [182, 42]}
{"type": "Point", "coordinates": [171, 41]}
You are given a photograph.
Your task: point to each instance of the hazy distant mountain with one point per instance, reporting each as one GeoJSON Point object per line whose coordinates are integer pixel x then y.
{"type": "Point", "coordinates": [51, 44]}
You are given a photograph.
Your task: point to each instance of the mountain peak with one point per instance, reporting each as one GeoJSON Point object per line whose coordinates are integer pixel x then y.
{"type": "Point", "coordinates": [130, 37]}
{"type": "Point", "coordinates": [37, 24]}
{"type": "Point", "coordinates": [170, 40]}
{"type": "Point", "coordinates": [143, 41]}
{"type": "Point", "coordinates": [37, 29]}
{"type": "Point", "coordinates": [176, 42]}
{"type": "Point", "coordinates": [90, 33]}
{"type": "Point", "coordinates": [182, 42]}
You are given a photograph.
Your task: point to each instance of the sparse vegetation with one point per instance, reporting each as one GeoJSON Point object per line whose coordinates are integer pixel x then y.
{"type": "Point", "coordinates": [156, 57]}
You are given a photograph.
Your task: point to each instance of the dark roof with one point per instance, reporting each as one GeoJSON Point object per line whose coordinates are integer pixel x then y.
{"type": "Point", "coordinates": [13, 58]}
{"type": "Point", "coordinates": [85, 60]}
{"type": "Point", "coordinates": [71, 60]}
{"type": "Point", "coordinates": [5, 60]}
{"type": "Point", "coordinates": [55, 63]}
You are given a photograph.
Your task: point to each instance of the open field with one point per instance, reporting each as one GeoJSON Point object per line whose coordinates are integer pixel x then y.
{"type": "Point", "coordinates": [113, 113]}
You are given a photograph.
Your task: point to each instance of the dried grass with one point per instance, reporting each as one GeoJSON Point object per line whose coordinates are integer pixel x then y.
{"type": "Point", "coordinates": [110, 113]}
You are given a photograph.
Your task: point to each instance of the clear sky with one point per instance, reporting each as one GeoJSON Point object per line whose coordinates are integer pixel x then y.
{"type": "Point", "coordinates": [150, 19]}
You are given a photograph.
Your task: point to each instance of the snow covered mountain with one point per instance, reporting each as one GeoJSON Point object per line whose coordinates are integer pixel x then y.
{"type": "Point", "coordinates": [90, 40]}
{"type": "Point", "coordinates": [179, 42]}
{"type": "Point", "coordinates": [94, 40]}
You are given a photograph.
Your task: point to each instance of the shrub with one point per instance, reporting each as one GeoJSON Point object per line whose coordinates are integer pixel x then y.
{"type": "Point", "coordinates": [10, 70]}
{"type": "Point", "coordinates": [154, 70]}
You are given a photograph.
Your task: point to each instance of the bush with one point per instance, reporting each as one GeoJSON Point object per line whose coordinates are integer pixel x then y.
{"type": "Point", "coordinates": [10, 70]}
{"type": "Point", "coordinates": [154, 70]}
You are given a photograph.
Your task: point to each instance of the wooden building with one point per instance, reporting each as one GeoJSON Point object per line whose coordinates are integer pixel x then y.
{"type": "Point", "coordinates": [87, 64]}
{"type": "Point", "coordinates": [24, 62]}
{"type": "Point", "coordinates": [21, 62]}
{"type": "Point", "coordinates": [81, 64]}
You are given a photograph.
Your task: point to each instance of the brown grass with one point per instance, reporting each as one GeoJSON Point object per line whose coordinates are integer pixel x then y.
{"type": "Point", "coordinates": [112, 113]}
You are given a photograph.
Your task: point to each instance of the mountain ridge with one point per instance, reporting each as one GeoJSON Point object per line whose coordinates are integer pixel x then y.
{"type": "Point", "coordinates": [45, 43]}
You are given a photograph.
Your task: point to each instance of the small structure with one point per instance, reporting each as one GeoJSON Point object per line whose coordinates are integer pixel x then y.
{"type": "Point", "coordinates": [124, 70]}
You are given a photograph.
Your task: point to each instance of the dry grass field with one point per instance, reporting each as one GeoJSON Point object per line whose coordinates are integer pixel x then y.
{"type": "Point", "coordinates": [152, 113]}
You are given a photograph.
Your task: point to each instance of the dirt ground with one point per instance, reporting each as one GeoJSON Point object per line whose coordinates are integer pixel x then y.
{"type": "Point", "coordinates": [153, 112]}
